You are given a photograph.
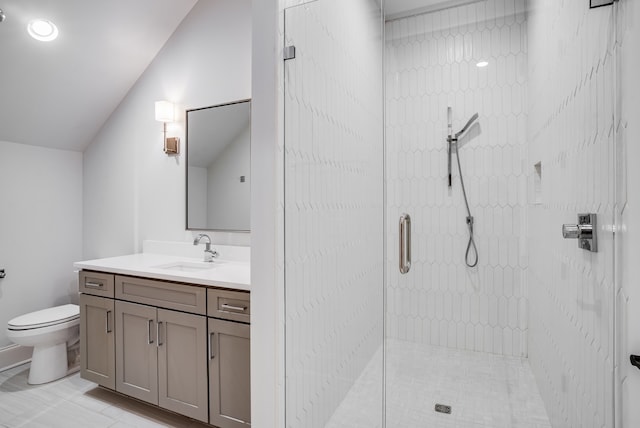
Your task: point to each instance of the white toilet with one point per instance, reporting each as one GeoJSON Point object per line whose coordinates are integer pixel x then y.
{"type": "Point", "coordinates": [48, 331]}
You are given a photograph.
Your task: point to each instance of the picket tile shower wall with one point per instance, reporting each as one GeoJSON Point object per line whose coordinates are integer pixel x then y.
{"type": "Point", "coordinates": [571, 134]}
{"type": "Point", "coordinates": [333, 206]}
{"type": "Point", "coordinates": [546, 107]}
{"type": "Point", "coordinates": [430, 65]}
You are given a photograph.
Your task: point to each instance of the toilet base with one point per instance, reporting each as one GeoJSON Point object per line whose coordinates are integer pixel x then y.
{"type": "Point", "coordinates": [48, 363]}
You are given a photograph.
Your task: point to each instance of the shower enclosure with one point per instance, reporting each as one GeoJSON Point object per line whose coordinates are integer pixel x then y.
{"type": "Point", "coordinates": [523, 335]}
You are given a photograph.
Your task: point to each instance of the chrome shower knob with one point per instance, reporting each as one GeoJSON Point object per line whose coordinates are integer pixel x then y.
{"type": "Point", "coordinates": [570, 231]}
{"type": "Point", "coordinates": [584, 232]}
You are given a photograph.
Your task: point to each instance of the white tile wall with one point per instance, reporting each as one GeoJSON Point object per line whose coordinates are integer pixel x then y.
{"type": "Point", "coordinates": [628, 211]}
{"type": "Point", "coordinates": [430, 65]}
{"type": "Point", "coordinates": [570, 131]}
{"type": "Point", "coordinates": [568, 306]}
{"type": "Point", "coordinates": [333, 205]}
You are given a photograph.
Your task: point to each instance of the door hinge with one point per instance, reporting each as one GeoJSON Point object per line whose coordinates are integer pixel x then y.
{"type": "Point", "coordinates": [289, 52]}
{"type": "Point", "coordinates": [598, 3]}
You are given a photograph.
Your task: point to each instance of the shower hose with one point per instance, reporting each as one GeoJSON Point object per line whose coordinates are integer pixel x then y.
{"type": "Point", "coordinates": [471, 245]}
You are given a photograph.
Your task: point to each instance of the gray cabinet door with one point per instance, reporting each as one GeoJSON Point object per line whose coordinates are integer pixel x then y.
{"type": "Point", "coordinates": [97, 340]}
{"type": "Point", "coordinates": [229, 374]}
{"type": "Point", "coordinates": [182, 363]}
{"type": "Point", "coordinates": [136, 353]}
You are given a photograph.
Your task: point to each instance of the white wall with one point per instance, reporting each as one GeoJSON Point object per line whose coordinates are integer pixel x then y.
{"type": "Point", "coordinates": [628, 210]}
{"type": "Point", "coordinates": [570, 131]}
{"type": "Point", "coordinates": [40, 228]}
{"type": "Point", "coordinates": [197, 195]}
{"type": "Point", "coordinates": [132, 190]}
{"type": "Point", "coordinates": [223, 184]}
{"type": "Point", "coordinates": [430, 65]}
{"type": "Point", "coordinates": [267, 326]}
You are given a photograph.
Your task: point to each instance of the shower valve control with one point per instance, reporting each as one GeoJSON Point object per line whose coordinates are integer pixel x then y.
{"type": "Point", "coordinates": [584, 232]}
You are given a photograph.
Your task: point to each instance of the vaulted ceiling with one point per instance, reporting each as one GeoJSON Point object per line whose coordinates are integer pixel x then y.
{"type": "Point", "coordinates": [59, 94]}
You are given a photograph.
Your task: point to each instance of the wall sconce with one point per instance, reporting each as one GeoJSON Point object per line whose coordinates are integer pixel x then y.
{"type": "Point", "coordinates": [165, 112]}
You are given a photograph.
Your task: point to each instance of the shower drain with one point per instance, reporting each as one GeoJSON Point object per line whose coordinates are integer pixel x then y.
{"type": "Point", "coordinates": [443, 408]}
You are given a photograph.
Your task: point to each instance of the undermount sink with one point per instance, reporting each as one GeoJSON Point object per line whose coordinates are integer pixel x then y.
{"type": "Point", "coordinates": [184, 266]}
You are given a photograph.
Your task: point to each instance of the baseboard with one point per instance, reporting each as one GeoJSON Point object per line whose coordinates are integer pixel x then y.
{"type": "Point", "coordinates": [14, 355]}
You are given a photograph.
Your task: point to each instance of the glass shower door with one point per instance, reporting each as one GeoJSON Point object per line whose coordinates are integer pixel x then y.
{"type": "Point", "coordinates": [525, 337]}
{"type": "Point", "coordinates": [333, 214]}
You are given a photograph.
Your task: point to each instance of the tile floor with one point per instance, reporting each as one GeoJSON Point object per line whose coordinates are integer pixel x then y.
{"type": "Point", "coordinates": [73, 402]}
{"type": "Point", "coordinates": [484, 390]}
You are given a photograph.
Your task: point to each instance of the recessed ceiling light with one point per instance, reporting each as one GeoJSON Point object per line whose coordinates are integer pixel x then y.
{"type": "Point", "coordinates": [42, 29]}
{"type": "Point", "coordinates": [482, 64]}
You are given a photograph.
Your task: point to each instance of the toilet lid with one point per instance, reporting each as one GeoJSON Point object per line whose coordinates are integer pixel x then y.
{"type": "Point", "coordinates": [45, 317]}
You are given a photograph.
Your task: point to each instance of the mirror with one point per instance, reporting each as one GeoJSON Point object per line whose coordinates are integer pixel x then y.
{"type": "Point", "coordinates": [218, 167]}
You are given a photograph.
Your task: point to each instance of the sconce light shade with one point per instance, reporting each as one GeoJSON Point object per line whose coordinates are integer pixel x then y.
{"type": "Point", "coordinates": [164, 111]}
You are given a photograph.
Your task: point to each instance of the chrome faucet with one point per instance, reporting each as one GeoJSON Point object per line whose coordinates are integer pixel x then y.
{"type": "Point", "coordinates": [209, 254]}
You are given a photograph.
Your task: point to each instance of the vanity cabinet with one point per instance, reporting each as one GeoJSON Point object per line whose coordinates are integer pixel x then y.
{"type": "Point", "coordinates": [161, 358]}
{"type": "Point", "coordinates": [182, 364]}
{"type": "Point", "coordinates": [183, 347]}
{"type": "Point", "coordinates": [229, 374]}
{"type": "Point", "coordinates": [136, 355]}
{"type": "Point", "coordinates": [97, 340]}
{"type": "Point", "coordinates": [229, 358]}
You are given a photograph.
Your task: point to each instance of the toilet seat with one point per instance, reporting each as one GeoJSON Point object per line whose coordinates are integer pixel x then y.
{"type": "Point", "coordinates": [45, 318]}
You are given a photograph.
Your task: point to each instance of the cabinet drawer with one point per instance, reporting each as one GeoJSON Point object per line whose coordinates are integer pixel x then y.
{"type": "Point", "coordinates": [96, 283]}
{"type": "Point", "coordinates": [170, 295]}
{"type": "Point", "coordinates": [231, 305]}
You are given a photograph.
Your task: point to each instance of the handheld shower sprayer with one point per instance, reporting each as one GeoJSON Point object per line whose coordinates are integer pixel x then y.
{"type": "Point", "coordinates": [451, 140]}
{"type": "Point", "coordinates": [468, 125]}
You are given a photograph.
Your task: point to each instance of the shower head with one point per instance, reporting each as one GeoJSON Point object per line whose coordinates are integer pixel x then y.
{"type": "Point", "coordinates": [452, 140]}
{"type": "Point", "coordinates": [468, 125]}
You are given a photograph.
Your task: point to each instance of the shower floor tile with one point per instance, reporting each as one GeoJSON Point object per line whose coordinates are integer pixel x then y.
{"type": "Point", "coordinates": [483, 390]}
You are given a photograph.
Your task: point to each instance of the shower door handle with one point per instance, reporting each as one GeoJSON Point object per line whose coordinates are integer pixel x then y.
{"type": "Point", "coordinates": [405, 243]}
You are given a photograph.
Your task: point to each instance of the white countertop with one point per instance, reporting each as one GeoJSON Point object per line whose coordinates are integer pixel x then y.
{"type": "Point", "coordinates": [227, 274]}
